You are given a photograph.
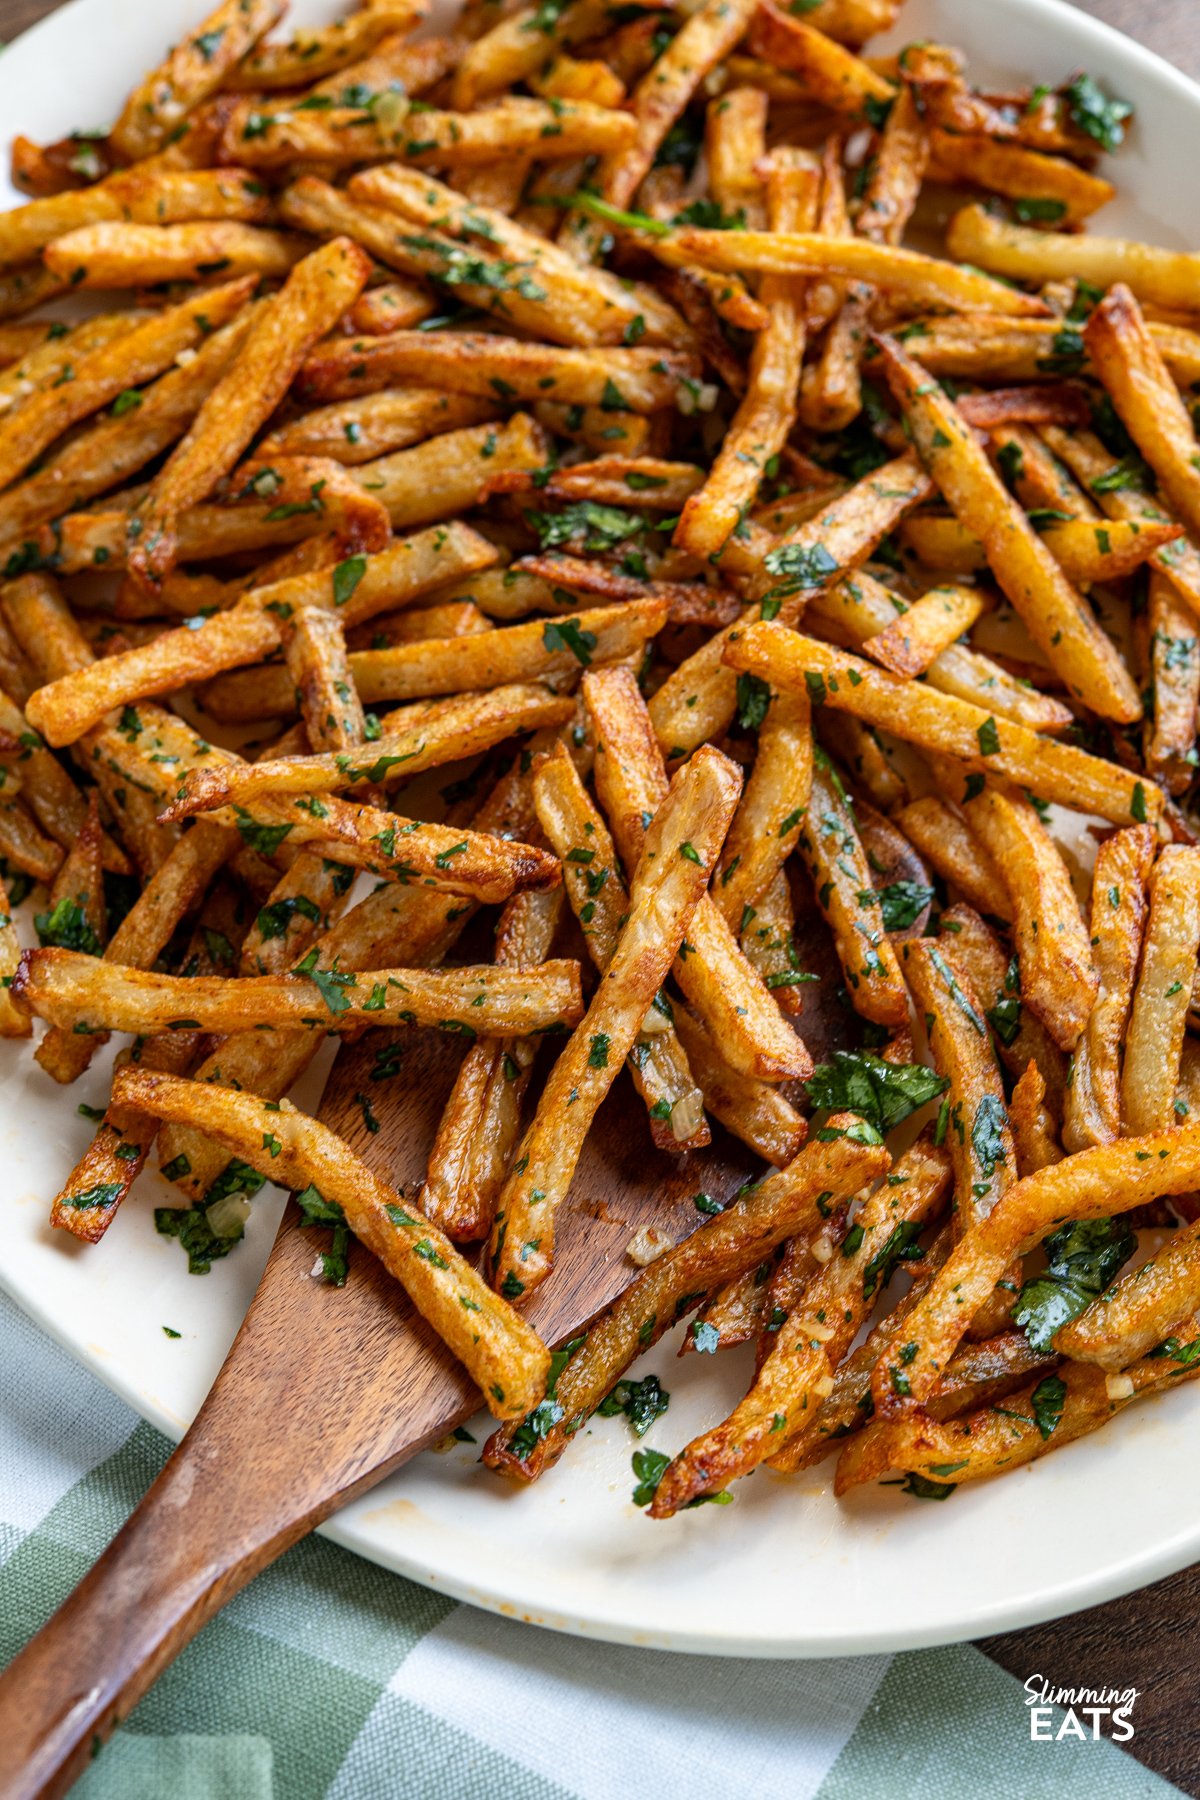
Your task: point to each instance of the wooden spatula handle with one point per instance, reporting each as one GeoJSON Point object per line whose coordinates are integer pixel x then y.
{"type": "Point", "coordinates": [169, 1569]}
{"type": "Point", "coordinates": [298, 1423]}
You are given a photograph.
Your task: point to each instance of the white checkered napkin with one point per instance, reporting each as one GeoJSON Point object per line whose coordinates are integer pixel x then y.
{"type": "Point", "coordinates": [328, 1679]}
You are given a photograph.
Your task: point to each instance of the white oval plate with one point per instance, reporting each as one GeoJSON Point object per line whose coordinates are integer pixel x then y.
{"type": "Point", "coordinates": [785, 1571]}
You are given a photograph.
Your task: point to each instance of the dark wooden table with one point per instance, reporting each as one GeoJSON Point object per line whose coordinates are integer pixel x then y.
{"type": "Point", "coordinates": [1147, 1640]}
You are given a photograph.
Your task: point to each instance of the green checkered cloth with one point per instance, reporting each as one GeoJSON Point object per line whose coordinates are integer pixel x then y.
{"type": "Point", "coordinates": [329, 1677]}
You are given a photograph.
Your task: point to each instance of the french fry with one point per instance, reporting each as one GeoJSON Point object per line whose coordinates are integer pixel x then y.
{"type": "Point", "coordinates": [77, 916]}
{"type": "Point", "coordinates": [68, 707]}
{"type": "Point", "coordinates": [78, 992]}
{"type": "Point", "coordinates": [700, 698]}
{"type": "Point", "coordinates": [482, 1118]}
{"type": "Point", "coordinates": [1158, 1015]}
{"type": "Point", "coordinates": [1058, 619]}
{"type": "Point", "coordinates": [114, 368]}
{"type": "Point", "coordinates": [1019, 1036]}
{"type": "Point", "coordinates": [1092, 1114]}
{"type": "Point", "coordinates": [316, 293]}
{"type": "Point", "coordinates": [770, 816]}
{"type": "Point", "coordinates": [796, 1373]}
{"type": "Point", "coordinates": [1086, 552]}
{"type": "Point", "coordinates": [502, 1353]}
{"type": "Point", "coordinates": [600, 901]}
{"type": "Point", "coordinates": [896, 174]}
{"type": "Point", "coordinates": [681, 848]}
{"type": "Point", "coordinates": [1170, 740]}
{"type": "Point", "coordinates": [833, 76]}
{"type": "Point", "coordinates": [754, 1111]}
{"type": "Point", "coordinates": [530, 652]}
{"type": "Point", "coordinates": [937, 721]}
{"type": "Point", "coordinates": [1058, 978]}
{"type": "Point", "coordinates": [1091, 463]}
{"type": "Point", "coordinates": [1097, 1183]}
{"type": "Point", "coordinates": [1130, 365]}
{"type": "Point", "coordinates": [913, 281]}
{"type": "Point", "coordinates": [117, 446]}
{"type": "Point", "coordinates": [446, 732]}
{"type": "Point", "coordinates": [1131, 1318]}
{"type": "Point", "coordinates": [393, 305]}
{"type": "Point", "coordinates": [737, 1008]}
{"type": "Point", "coordinates": [767, 410]}
{"type": "Point", "coordinates": [487, 367]}
{"type": "Point", "coordinates": [115, 254]}
{"type": "Point", "coordinates": [53, 356]}
{"type": "Point", "coordinates": [1028, 349]}
{"type": "Point", "coordinates": [1047, 189]}
{"type": "Point", "coordinates": [1161, 277]}
{"type": "Point", "coordinates": [193, 72]}
{"type": "Point", "coordinates": [982, 1443]}
{"type": "Point", "coordinates": [358, 431]}
{"type": "Point", "coordinates": [310, 54]}
{"type": "Point", "coordinates": [13, 1022]}
{"type": "Point", "coordinates": [345, 134]}
{"type": "Point", "coordinates": [832, 850]}
{"type": "Point", "coordinates": [932, 624]}
{"type": "Point", "coordinates": [735, 141]}
{"type": "Point", "coordinates": [787, 1204]}
{"type": "Point", "coordinates": [1036, 1140]}
{"type": "Point", "coordinates": [24, 288]}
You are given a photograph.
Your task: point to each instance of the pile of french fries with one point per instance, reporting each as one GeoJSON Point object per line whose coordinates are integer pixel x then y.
{"type": "Point", "coordinates": [520, 463]}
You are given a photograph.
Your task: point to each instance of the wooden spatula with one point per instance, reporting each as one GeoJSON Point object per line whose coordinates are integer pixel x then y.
{"type": "Point", "coordinates": [325, 1391]}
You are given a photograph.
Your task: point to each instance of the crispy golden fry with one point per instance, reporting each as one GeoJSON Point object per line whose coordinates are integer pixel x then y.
{"type": "Point", "coordinates": [735, 141]}
{"type": "Point", "coordinates": [116, 254]}
{"type": "Point", "coordinates": [1154, 1039]}
{"type": "Point", "coordinates": [310, 54]}
{"type": "Point", "coordinates": [1170, 738]}
{"type": "Point", "coordinates": [99, 377]}
{"type": "Point", "coordinates": [560, 647]}
{"type": "Point", "coordinates": [519, 45]}
{"type": "Point", "coordinates": [473, 363]}
{"type": "Point", "coordinates": [83, 994]}
{"type": "Point", "coordinates": [77, 916]}
{"type": "Point", "coordinates": [911, 280]}
{"type": "Point", "coordinates": [1053, 403]}
{"type": "Point", "coordinates": [358, 431]}
{"type": "Point", "coordinates": [482, 1118]}
{"type": "Point", "coordinates": [436, 734]}
{"type": "Point", "coordinates": [600, 901]}
{"type": "Point", "coordinates": [1051, 188]}
{"type": "Point", "coordinates": [345, 135]}
{"type": "Point", "coordinates": [193, 72]}
{"type": "Point", "coordinates": [1092, 1113]}
{"type": "Point", "coordinates": [613, 480]}
{"type": "Point", "coordinates": [700, 698]}
{"type": "Point", "coordinates": [143, 197]}
{"type": "Point", "coordinates": [1092, 464]}
{"type": "Point", "coordinates": [13, 1022]}
{"type": "Point", "coordinates": [832, 850]}
{"type": "Point", "coordinates": [118, 445]}
{"type": "Point", "coordinates": [530, 281]}
{"type": "Point", "coordinates": [995, 1438]}
{"type": "Point", "coordinates": [250, 630]}
{"type": "Point", "coordinates": [787, 1204]}
{"type": "Point", "coordinates": [24, 288]}
{"type": "Point", "coordinates": [1131, 1319]}
{"type": "Point", "coordinates": [753, 1110]}
{"type": "Point", "coordinates": [797, 1372]}
{"type": "Point", "coordinates": [1058, 618]}
{"type": "Point", "coordinates": [995, 977]}
{"type": "Point", "coordinates": [681, 848]}
{"type": "Point", "coordinates": [767, 824]}
{"type": "Point", "coordinates": [1005, 349]}
{"type": "Point", "coordinates": [393, 305]}
{"type": "Point", "coordinates": [1037, 1146]}
{"type": "Point", "coordinates": [1132, 369]}
{"type": "Point", "coordinates": [767, 410]}
{"type": "Point", "coordinates": [1085, 552]}
{"type": "Point", "coordinates": [937, 721]}
{"type": "Point", "coordinates": [932, 624]}
{"type": "Point", "coordinates": [314, 647]}
{"type": "Point", "coordinates": [1098, 1183]}
{"type": "Point", "coordinates": [1163, 277]}
{"type": "Point", "coordinates": [1058, 978]}
{"type": "Point", "coordinates": [859, 608]}
{"type": "Point", "coordinates": [737, 1008]}
{"type": "Point", "coordinates": [498, 1349]}
{"type": "Point", "coordinates": [55, 356]}
{"type": "Point", "coordinates": [831, 75]}
{"type": "Point", "coordinates": [316, 293]}
{"type": "Point", "coordinates": [896, 173]}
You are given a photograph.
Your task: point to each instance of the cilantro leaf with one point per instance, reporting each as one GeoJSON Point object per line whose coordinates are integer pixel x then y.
{"type": "Point", "coordinates": [881, 1092]}
{"type": "Point", "coordinates": [1082, 1258]}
